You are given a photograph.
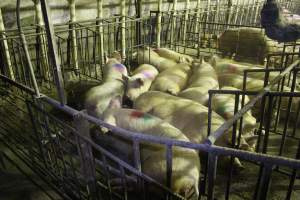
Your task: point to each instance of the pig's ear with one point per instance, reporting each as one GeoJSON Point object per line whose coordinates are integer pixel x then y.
{"type": "Point", "coordinates": [117, 56]}
{"type": "Point", "coordinates": [125, 78]}
{"type": "Point", "coordinates": [139, 82]}
{"type": "Point", "coordinates": [116, 102]}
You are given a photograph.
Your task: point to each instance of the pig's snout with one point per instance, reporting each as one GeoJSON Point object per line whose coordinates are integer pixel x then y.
{"type": "Point", "coordinates": [127, 102]}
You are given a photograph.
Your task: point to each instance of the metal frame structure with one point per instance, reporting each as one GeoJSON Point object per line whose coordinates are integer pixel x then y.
{"type": "Point", "coordinates": [59, 149]}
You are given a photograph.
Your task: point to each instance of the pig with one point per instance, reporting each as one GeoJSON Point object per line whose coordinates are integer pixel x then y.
{"type": "Point", "coordinates": [236, 81]}
{"type": "Point", "coordinates": [149, 56]}
{"type": "Point", "coordinates": [113, 69]}
{"type": "Point", "coordinates": [140, 81]}
{"type": "Point", "coordinates": [186, 163]}
{"type": "Point", "coordinates": [172, 80]}
{"type": "Point", "coordinates": [224, 104]}
{"type": "Point", "coordinates": [172, 55]}
{"type": "Point", "coordinates": [247, 44]}
{"type": "Point", "coordinates": [97, 98]}
{"type": "Point", "coordinates": [228, 66]}
{"type": "Point", "coordinates": [203, 79]}
{"type": "Point", "coordinates": [188, 116]}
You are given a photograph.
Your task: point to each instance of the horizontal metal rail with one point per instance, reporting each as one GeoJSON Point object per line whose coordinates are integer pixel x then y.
{"type": "Point", "coordinates": [206, 147]}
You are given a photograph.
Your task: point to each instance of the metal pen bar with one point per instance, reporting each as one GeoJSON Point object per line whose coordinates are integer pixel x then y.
{"type": "Point", "coordinates": [53, 53]}
{"type": "Point", "coordinates": [26, 51]}
{"type": "Point", "coordinates": [225, 127]}
{"type": "Point", "coordinates": [6, 49]}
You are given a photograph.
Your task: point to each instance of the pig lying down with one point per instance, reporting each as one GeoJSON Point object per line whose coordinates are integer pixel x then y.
{"type": "Point", "coordinates": [172, 80]}
{"type": "Point", "coordinates": [203, 78]}
{"type": "Point", "coordinates": [186, 163]}
{"type": "Point", "coordinates": [188, 116]}
{"type": "Point", "coordinates": [172, 55]}
{"type": "Point", "coordinates": [140, 82]}
{"type": "Point", "coordinates": [148, 56]}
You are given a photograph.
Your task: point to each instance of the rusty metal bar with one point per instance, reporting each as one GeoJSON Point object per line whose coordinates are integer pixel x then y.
{"type": "Point", "coordinates": [6, 50]}
{"type": "Point", "coordinates": [158, 31]}
{"type": "Point", "coordinates": [72, 10]}
{"type": "Point", "coordinates": [52, 52]}
{"type": "Point", "coordinates": [212, 172]}
{"type": "Point", "coordinates": [26, 51]}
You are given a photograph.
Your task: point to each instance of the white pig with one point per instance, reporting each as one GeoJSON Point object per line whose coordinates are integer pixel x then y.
{"type": "Point", "coordinates": [203, 79]}
{"type": "Point", "coordinates": [186, 163]}
{"type": "Point", "coordinates": [172, 80]}
{"type": "Point", "coordinates": [224, 104]}
{"type": "Point", "coordinates": [97, 98]}
{"type": "Point", "coordinates": [140, 81]}
{"type": "Point", "coordinates": [149, 56]}
{"type": "Point", "coordinates": [172, 55]}
{"type": "Point", "coordinates": [188, 116]}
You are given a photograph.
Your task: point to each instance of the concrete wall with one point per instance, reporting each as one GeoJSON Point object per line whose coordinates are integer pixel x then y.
{"type": "Point", "coordinates": [85, 9]}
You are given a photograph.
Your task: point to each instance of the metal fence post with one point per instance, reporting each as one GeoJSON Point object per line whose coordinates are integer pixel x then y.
{"type": "Point", "coordinates": [173, 26]}
{"type": "Point", "coordinates": [43, 59]}
{"type": "Point", "coordinates": [73, 35]}
{"type": "Point", "coordinates": [212, 171]}
{"type": "Point", "coordinates": [6, 51]}
{"type": "Point", "coordinates": [52, 52]}
{"type": "Point", "coordinates": [100, 31]}
{"type": "Point", "coordinates": [123, 27]}
{"type": "Point", "coordinates": [158, 31]}
{"type": "Point", "coordinates": [86, 155]}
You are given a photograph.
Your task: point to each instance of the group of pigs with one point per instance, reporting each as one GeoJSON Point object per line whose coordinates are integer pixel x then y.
{"type": "Point", "coordinates": [169, 92]}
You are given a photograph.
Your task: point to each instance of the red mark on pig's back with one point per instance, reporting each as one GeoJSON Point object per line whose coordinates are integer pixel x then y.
{"type": "Point", "coordinates": [139, 114]}
{"type": "Point", "coordinates": [232, 68]}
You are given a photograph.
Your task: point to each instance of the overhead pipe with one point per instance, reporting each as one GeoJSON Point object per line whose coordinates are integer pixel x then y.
{"type": "Point", "coordinates": [6, 49]}
{"type": "Point", "coordinates": [26, 51]}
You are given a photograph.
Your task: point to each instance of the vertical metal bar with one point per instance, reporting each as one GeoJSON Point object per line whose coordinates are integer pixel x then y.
{"type": "Point", "coordinates": [136, 154]}
{"type": "Point", "coordinates": [173, 25]}
{"type": "Point", "coordinates": [212, 171]}
{"type": "Point", "coordinates": [158, 31]}
{"type": "Point", "coordinates": [6, 49]}
{"type": "Point", "coordinates": [41, 38]}
{"type": "Point", "coordinates": [233, 141]}
{"type": "Point", "coordinates": [100, 32]}
{"type": "Point", "coordinates": [106, 170]}
{"type": "Point", "coordinates": [86, 156]}
{"type": "Point", "coordinates": [210, 98]}
{"type": "Point", "coordinates": [265, 181]}
{"type": "Point", "coordinates": [37, 136]}
{"type": "Point", "coordinates": [53, 53]}
{"type": "Point", "coordinates": [26, 51]}
{"type": "Point", "coordinates": [169, 166]}
{"type": "Point", "coordinates": [268, 123]}
{"type": "Point", "coordinates": [293, 176]}
{"type": "Point", "coordinates": [123, 179]}
{"type": "Point", "coordinates": [228, 14]}
{"type": "Point", "coordinates": [186, 15]}
{"type": "Point", "coordinates": [123, 28]}
{"type": "Point", "coordinates": [72, 11]}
